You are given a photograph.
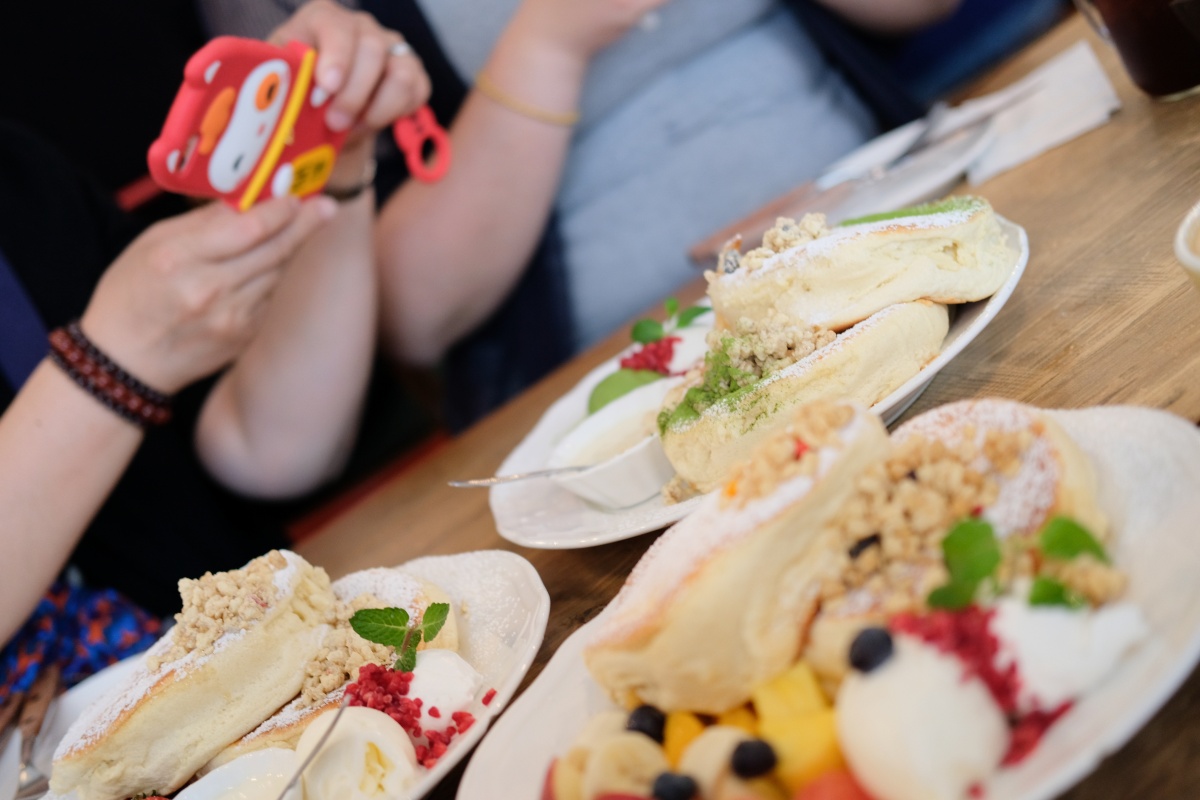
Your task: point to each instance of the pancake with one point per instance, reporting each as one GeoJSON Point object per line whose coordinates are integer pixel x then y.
{"type": "Point", "coordinates": [947, 252]}
{"type": "Point", "coordinates": [864, 364]}
{"type": "Point", "coordinates": [342, 652]}
{"type": "Point", "coordinates": [237, 653]}
{"type": "Point", "coordinates": [720, 601]}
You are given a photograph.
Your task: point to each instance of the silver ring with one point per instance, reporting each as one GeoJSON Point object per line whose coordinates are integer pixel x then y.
{"type": "Point", "coordinates": [400, 49]}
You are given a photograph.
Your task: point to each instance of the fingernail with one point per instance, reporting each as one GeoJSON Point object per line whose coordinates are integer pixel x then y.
{"type": "Point", "coordinates": [327, 207]}
{"type": "Point", "coordinates": [338, 120]}
{"type": "Point", "coordinates": [331, 79]}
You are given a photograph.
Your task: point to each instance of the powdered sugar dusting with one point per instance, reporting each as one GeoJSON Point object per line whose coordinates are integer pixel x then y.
{"type": "Point", "coordinates": [397, 589]}
{"type": "Point", "coordinates": [1025, 498]}
{"type": "Point", "coordinates": [99, 717]}
{"type": "Point", "coordinates": [798, 256]}
{"type": "Point", "coordinates": [680, 551]}
{"type": "Point", "coordinates": [294, 712]}
{"type": "Point", "coordinates": [285, 579]}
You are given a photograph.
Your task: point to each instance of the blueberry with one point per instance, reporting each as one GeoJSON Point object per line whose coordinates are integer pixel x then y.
{"type": "Point", "coordinates": [870, 648]}
{"type": "Point", "coordinates": [673, 786]}
{"type": "Point", "coordinates": [753, 758]}
{"type": "Point", "coordinates": [648, 720]}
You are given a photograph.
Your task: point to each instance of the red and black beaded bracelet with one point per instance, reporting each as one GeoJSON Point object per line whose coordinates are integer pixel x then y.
{"type": "Point", "coordinates": [105, 380]}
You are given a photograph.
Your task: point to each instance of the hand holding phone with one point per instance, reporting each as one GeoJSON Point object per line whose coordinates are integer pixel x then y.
{"type": "Point", "coordinates": [249, 123]}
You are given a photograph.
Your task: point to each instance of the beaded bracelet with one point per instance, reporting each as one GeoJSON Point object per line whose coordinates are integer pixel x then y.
{"type": "Point", "coordinates": [105, 380]}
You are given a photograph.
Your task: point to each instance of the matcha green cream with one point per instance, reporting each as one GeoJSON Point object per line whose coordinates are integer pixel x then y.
{"type": "Point", "coordinates": [965, 203]}
{"type": "Point", "coordinates": [721, 380]}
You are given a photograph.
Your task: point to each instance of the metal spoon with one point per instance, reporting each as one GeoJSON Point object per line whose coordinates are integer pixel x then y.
{"type": "Point", "coordinates": [496, 480]}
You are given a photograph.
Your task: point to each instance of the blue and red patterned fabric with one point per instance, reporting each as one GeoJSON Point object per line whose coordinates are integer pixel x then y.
{"type": "Point", "coordinates": [82, 630]}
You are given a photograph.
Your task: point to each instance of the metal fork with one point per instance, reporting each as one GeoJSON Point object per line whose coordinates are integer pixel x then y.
{"type": "Point", "coordinates": [31, 782]}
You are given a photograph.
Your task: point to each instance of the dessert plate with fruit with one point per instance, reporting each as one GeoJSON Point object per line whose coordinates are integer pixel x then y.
{"type": "Point", "coordinates": [983, 604]}
{"type": "Point", "coordinates": [495, 612]}
{"type": "Point", "coordinates": [614, 417]}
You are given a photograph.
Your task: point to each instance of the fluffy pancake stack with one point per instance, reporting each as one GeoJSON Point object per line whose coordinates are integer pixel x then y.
{"type": "Point", "coordinates": [873, 296]}
{"type": "Point", "coordinates": [342, 652]}
{"type": "Point", "coordinates": [236, 654]}
{"type": "Point", "coordinates": [829, 527]}
{"type": "Point", "coordinates": [257, 654]}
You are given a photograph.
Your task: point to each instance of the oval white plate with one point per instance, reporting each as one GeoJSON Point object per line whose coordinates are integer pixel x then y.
{"type": "Point", "coordinates": [539, 513]}
{"type": "Point", "coordinates": [507, 611]}
{"type": "Point", "coordinates": [1148, 465]}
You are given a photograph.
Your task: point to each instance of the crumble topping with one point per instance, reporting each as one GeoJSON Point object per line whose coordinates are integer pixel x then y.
{"type": "Point", "coordinates": [758, 348]}
{"type": "Point", "coordinates": [794, 450]}
{"type": "Point", "coordinates": [786, 234]}
{"type": "Point", "coordinates": [221, 604]}
{"type": "Point", "coordinates": [1089, 577]}
{"type": "Point", "coordinates": [890, 531]}
{"type": "Point", "coordinates": [342, 653]}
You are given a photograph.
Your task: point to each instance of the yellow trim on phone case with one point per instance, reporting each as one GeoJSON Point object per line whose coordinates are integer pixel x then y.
{"type": "Point", "coordinates": [287, 123]}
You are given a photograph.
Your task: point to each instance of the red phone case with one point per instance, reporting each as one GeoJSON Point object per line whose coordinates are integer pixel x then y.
{"type": "Point", "coordinates": [248, 124]}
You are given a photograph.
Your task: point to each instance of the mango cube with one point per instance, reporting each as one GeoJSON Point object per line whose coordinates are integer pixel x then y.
{"type": "Point", "coordinates": [805, 744]}
{"type": "Point", "coordinates": [740, 717]}
{"type": "Point", "coordinates": [789, 694]}
{"type": "Point", "coordinates": [681, 729]}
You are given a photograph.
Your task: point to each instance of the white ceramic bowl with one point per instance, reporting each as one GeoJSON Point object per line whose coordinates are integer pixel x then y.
{"type": "Point", "coordinates": [1186, 241]}
{"type": "Point", "coordinates": [621, 442]}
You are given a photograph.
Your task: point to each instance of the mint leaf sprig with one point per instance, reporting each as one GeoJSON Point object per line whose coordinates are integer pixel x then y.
{"type": "Point", "coordinates": [391, 627]}
{"type": "Point", "coordinates": [1063, 538]}
{"type": "Point", "coordinates": [972, 554]}
{"type": "Point", "coordinates": [646, 331]}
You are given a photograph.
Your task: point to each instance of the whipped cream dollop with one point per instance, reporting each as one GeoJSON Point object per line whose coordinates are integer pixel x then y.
{"type": "Point", "coordinates": [367, 757]}
{"type": "Point", "coordinates": [917, 728]}
{"type": "Point", "coordinates": [1062, 653]}
{"type": "Point", "coordinates": [690, 349]}
{"type": "Point", "coordinates": [445, 683]}
{"type": "Point", "coordinates": [260, 775]}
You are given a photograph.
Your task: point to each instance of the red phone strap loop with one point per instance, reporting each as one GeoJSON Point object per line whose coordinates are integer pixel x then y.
{"type": "Point", "coordinates": [411, 133]}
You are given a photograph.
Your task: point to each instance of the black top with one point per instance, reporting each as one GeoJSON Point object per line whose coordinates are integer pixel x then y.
{"type": "Point", "coordinates": [166, 518]}
{"type": "Point", "coordinates": [96, 79]}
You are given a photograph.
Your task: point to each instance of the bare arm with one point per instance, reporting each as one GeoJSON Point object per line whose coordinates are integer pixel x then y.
{"type": "Point", "coordinates": [450, 252]}
{"type": "Point", "coordinates": [179, 303]}
{"type": "Point", "coordinates": [282, 419]}
{"type": "Point", "coordinates": [891, 16]}
{"type": "Point", "coordinates": [61, 453]}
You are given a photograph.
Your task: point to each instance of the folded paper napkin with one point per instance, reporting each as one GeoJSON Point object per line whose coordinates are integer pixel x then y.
{"type": "Point", "coordinates": [1064, 98]}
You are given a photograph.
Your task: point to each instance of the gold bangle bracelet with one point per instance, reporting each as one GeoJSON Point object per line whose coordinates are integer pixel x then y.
{"type": "Point", "coordinates": [487, 88]}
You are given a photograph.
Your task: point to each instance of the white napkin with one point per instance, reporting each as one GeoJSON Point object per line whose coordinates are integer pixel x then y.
{"type": "Point", "coordinates": [1066, 97]}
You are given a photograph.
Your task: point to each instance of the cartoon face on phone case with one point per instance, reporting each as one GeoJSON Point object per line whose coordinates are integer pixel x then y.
{"type": "Point", "coordinates": [248, 124]}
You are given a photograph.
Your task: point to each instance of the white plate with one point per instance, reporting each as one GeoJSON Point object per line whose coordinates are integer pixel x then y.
{"type": "Point", "coordinates": [925, 175]}
{"type": "Point", "coordinates": [507, 611]}
{"type": "Point", "coordinates": [1148, 464]}
{"type": "Point", "coordinates": [539, 513]}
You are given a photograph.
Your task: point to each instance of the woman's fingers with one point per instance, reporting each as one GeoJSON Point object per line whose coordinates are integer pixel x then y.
{"type": "Point", "coordinates": [405, 87]}
{"type": "Point", "coordinates": [357, 64]}
{"type": "Point", "coordinates": [271, 252]}
{"type": "Point", "coordinates": [367, 70]}
{"type": "Point", "coordinates": [330, 29]}
{"type": "Point", "coordinates": [218, 232]}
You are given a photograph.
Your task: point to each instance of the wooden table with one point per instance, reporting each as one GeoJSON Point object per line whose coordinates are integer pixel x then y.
{"type": "Point", "coordinates": [1102, 315]}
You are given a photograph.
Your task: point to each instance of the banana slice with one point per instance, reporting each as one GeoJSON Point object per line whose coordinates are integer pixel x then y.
{"type": "Point", "coordinates": [708, 759]}
{"type": "Point", "coordinates": [626, 762]}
